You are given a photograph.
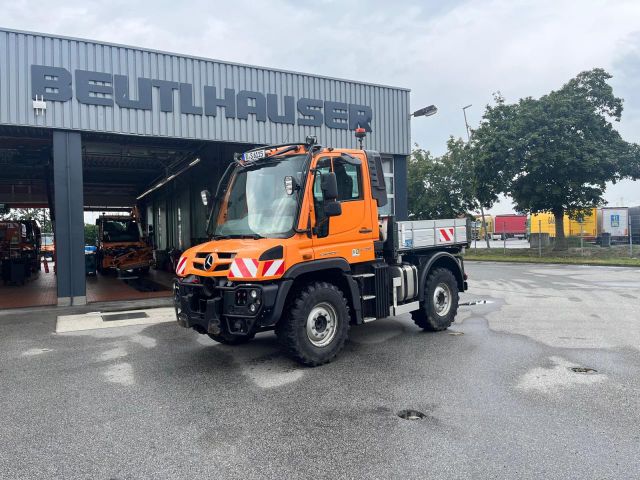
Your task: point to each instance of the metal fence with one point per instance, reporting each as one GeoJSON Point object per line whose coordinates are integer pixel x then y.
{"type": "Point", "coordinates": [583, 242]}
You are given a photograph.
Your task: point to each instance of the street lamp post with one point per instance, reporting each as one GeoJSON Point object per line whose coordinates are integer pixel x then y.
{"type": "Point", "coordinates": [466, 125]}
{"type": "Point", "coordinates": [425, 112]}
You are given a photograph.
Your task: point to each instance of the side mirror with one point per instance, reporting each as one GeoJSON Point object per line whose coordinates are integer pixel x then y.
{"type": "Point", "coordinates": [329, 186]}
{"type": "Point", "coordinates": [206, 197]}
{"type": "Point", "coordinates": [332, 209]}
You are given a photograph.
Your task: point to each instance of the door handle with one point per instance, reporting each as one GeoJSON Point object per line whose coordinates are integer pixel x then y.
{"type": "Point", "coordinates": [365, 230]}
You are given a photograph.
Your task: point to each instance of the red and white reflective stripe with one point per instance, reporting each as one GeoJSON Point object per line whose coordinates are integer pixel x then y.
{"type": "Point", "coordinates": [446, 234]}
{"type": "Point", "coordinates": [182, 265]}
{"type": "Point", "coordinates": [244, 268]}
{"type": "Point", "coordinates": [272, 268]}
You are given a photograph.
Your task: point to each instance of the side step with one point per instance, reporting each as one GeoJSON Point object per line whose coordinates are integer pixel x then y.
{"type": "Point", "coordinates": [364, 275]}
{"type": "Point", "coordinates": [368, 319]}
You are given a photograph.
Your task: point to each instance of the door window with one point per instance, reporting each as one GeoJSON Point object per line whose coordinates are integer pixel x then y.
{"type": "Point", "coordinates": [322, 225]}
{"type": "Point", "coordinates": [349, 180]}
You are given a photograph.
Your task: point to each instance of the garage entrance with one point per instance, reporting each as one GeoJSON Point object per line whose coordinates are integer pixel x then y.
{"type": "Point", "coordinates": [26, 192]}
{"type": "Point", "coordinates": [142, 194]}
{"type": "Point", "coordinates": [145, 187]}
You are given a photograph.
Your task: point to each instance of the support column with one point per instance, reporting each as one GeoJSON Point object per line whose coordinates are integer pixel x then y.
{"type": "Point", "coordinates": [67, 178]}
{"type": "Point", "coordinates": [400, 184]}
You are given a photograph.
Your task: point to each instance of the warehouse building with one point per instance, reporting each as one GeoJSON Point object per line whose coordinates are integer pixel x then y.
{"type": "Point", "coordinates": [92, 126]}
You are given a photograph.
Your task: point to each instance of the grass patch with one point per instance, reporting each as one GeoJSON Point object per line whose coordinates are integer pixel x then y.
{"type": "Point", "coordinates": [590, 255]}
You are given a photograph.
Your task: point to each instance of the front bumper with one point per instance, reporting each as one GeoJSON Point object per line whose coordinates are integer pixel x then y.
{"type": "Point", "coordinates": [213, 309]}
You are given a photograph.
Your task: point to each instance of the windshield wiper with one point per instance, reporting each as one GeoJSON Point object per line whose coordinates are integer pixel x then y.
{"type": "Point", "coordinates": [253, 236]}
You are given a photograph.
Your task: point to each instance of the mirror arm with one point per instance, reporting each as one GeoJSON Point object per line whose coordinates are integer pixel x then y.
{"type": "Point", "coordinates": [305, 230]}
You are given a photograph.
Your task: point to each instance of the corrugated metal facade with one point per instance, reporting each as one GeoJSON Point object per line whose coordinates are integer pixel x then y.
{"type": "Point", "coordinates": [20, 50]}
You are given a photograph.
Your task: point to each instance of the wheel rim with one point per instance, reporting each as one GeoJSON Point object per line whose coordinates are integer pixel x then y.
{"type": "Point", "coordinates": [442, 299]}
{"type": "Point", "coordinates": [322, 324]}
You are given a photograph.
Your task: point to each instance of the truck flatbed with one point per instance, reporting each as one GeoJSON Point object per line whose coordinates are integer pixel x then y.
{"type": "Point", "coordinates": [424, 234]}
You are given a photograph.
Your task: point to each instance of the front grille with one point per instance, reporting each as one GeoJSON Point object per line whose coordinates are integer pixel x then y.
{"type": "Point", "coordinates": [220, 255]}
{"type": "Point", "coordinates": [221, 267]}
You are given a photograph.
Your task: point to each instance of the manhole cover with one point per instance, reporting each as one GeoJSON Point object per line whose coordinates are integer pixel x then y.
{"type": "Point", "coordinates": [411, 415]}
{"type": "Point", "coordinates": [124, 316]}
{"type": "Point", "coordinates": [583, 370]}
{"type": "Point", "coordinates": [453, 332]}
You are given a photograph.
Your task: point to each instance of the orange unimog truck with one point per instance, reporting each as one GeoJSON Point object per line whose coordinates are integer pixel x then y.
{"type": "Point", "coordinates": [297, 246]}
{"type": "Point", "coordinates": [121, 244]}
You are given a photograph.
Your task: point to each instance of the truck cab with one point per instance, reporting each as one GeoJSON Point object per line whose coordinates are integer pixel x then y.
{"type": "Point", "coordinates": [121, 244]}
{"type": "Point", "coordinates": [297, 246]}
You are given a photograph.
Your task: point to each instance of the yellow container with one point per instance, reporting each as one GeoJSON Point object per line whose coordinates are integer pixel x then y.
{"type": "Point", "coordinates": [588, 225]}
{"type": "Point", "coordinates": [488, 220]}
{"type": "Point", "coordinates": [542, 223]}
{"type": "Point", "coordinates": [546, 223]}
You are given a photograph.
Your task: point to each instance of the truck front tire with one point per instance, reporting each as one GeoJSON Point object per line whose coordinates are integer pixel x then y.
{"type": "Point", "coordinates": [440, 305]}
{"type": "Point", "coordinates": [316, 324]}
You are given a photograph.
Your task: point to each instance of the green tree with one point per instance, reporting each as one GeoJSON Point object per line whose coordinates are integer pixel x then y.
{"type": "Point", "coordinates": [90, 234]}
{"type": "Point", "coordinates": [39, 214]}
{"type": "Point", "coordinates": [441, 187]}
{"type": "Point", "coordinates": [557, 153]}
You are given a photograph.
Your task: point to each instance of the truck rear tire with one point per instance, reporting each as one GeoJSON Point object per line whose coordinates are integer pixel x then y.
{"type": "Point", "coordinates": [438, 311]}
{"type": "Point", "coordinates": [315, 325]}
{"type": "Point", "coordinates": [229, 339]}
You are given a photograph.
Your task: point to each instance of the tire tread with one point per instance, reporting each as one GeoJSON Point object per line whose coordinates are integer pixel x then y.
{"type": "Point", "coordinates": [295, 317]}
{"type": "Point", "coordinates": [422, 318]}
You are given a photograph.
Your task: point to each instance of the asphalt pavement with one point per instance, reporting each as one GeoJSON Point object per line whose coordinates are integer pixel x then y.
{"type": "Point", "coordinates": [497, 390]}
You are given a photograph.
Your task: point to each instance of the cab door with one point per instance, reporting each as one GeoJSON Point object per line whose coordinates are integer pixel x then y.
{"type": "Point", "coordinates": [351, 234]}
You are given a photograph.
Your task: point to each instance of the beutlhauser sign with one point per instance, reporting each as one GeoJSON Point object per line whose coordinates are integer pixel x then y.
{"type": "Point", "coordinates": [57, 84]}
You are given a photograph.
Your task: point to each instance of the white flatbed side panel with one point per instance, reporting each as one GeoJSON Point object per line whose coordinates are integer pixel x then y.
{"type": "Point", "coordinates": [431, 233]}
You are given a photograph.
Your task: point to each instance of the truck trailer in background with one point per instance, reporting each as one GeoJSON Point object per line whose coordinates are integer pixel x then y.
{"type": "Point", "coordinates": [510, 226]}
{"type": "Point", "coordinates": [613, 222]}
{"type": "Point", "coordinates": [585, 226]}
{"type": "Point", "coordinates": [478, 231]}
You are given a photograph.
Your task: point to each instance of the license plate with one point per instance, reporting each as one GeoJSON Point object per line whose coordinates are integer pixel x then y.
{"type": "Point", "coordinates": [253, 156]}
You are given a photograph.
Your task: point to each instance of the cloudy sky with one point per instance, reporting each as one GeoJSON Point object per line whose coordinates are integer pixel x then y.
{"type": "Point", "coordinates": [449, 53]}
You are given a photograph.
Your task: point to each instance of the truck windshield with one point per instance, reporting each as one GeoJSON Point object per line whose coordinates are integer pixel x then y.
{"type": "Point", "coordinates": [256, 203]}
{"type": "Point", "coordinates": [120, 231]}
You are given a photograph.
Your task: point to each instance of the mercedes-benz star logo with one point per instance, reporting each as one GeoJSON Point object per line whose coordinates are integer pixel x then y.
{"type": "Point", "coordinates": [208, 262]}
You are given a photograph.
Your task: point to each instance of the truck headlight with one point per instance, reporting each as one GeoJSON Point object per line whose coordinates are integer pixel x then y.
{"type": "Point", "coordinates": [253, 294]}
